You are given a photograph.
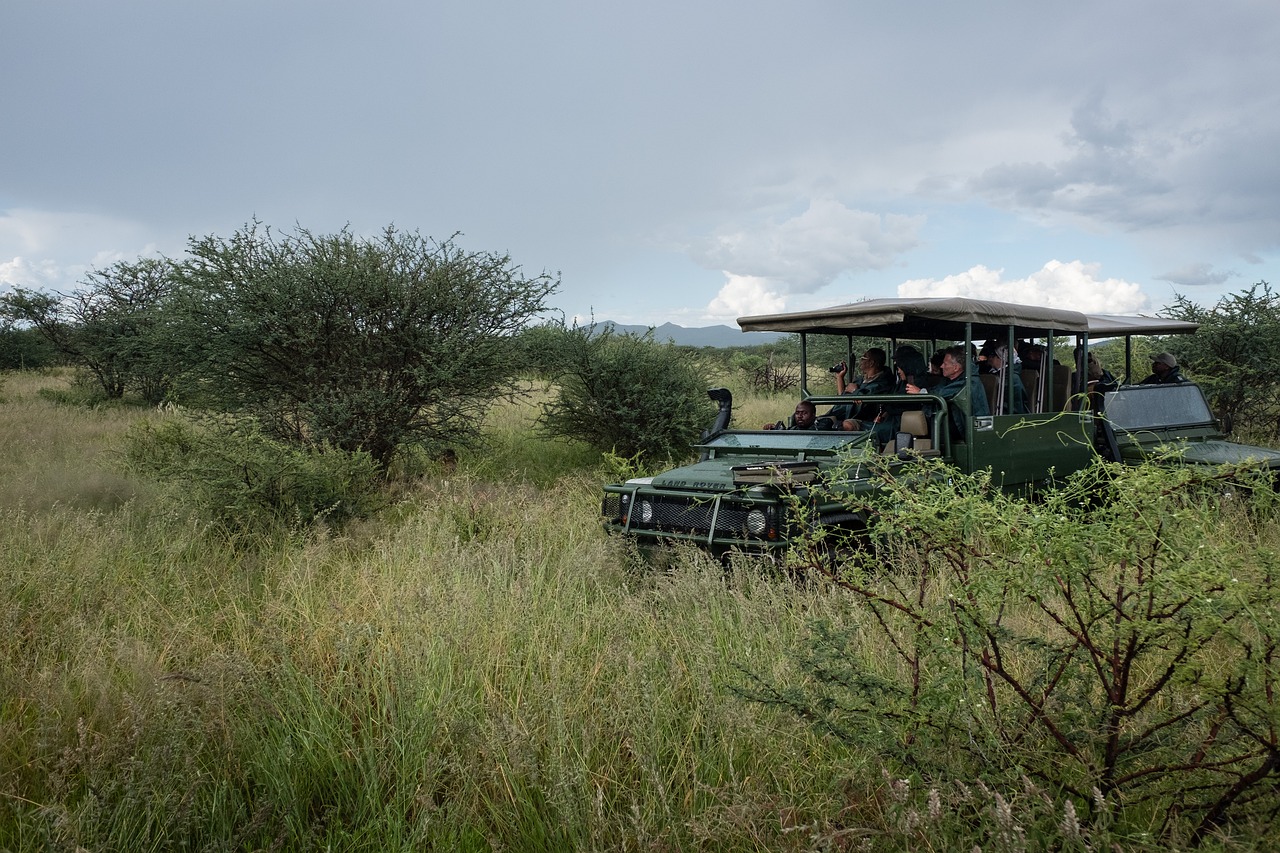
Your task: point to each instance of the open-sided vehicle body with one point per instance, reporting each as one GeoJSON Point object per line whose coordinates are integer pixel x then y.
{"type": "Point", "coordinates": [712, 504]}
{"type": "Point", "coordinates": [748, 484]}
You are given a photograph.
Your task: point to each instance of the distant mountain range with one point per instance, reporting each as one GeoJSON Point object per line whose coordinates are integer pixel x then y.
{"type": "Point", "coordinates": [700, 336]}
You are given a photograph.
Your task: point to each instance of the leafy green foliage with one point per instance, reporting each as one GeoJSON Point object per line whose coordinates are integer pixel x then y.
{"type": "Point", "coordinates": [626, 394]}
{"type": "Point", "coordinates": [113, 327]}
{"type": "Point", "coordinates": [544, 349]}
{"type": "Point", "coordinates": [23, 348]}
{"type": "Point", "coordinates": [1235, 356]}
{"type": "Point", "coordinates": [1117, 641]}
{"type": "Point", "coordinates": [250, 482]}
{"type": "Point", "coordinates": [361, 345]}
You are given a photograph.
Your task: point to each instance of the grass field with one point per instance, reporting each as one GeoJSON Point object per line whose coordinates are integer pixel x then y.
{"type": "Point", "coordinates": [479, 668]}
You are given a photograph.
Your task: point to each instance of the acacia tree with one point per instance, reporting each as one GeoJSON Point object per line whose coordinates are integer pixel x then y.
{"type": "Point", "coordinates": [1235, 356]}
{"type": "Point", "coordinates": [623, 392]}
{"type": "Point", "coordinates": [353, 343]}
{"type": "Point", "coordinates": [111, 327]}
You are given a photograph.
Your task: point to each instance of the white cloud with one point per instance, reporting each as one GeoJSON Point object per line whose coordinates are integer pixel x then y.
{"type": "Point", "coordinates": [1075, 285]}
{"type": "Point", "coordinates": [744, 295]}
{"type": "Point", "coordinates": [807, 251]}
{"type": "Point", "coordinates": [21, 272]}
{"type": "Point", "coordinates": [52, 250]}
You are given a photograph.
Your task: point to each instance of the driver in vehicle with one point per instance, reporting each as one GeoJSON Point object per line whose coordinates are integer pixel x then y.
{"type": "Point", "coordinates": [1164, 371]}
{"type": "Point", "coordinates": [804, 417]}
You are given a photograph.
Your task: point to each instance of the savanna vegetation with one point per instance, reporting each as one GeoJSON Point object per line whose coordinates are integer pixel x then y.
{"type": "Point", "coordinates": [475, 666]}
{"type": "Point", "coordinates": [231, 624]}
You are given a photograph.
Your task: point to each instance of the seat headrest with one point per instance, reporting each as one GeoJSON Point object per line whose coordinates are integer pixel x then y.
{"type": "Point", "coordinates": [915, 423]}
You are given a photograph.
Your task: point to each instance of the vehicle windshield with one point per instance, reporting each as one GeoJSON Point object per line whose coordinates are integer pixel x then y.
{"type": "Point", "coordinates": [1157, 407]}
{"type": "Point", "coordinates": [784, 440]}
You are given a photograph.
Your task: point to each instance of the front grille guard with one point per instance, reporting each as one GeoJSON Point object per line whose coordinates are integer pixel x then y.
{"type": "Point", "coordinates": [712, 520]}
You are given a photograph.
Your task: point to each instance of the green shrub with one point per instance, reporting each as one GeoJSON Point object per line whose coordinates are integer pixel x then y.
{"type": "Point", "coordinates": [24, 348]}
{"type": "Point", "coordinates": [363, 344]}
{"type": "Point", "coordinates": [246, 480]}
{"type": "Point", "coordinates": [626, 394]}
{"type": "Point", "coordinates": [1116, 643]}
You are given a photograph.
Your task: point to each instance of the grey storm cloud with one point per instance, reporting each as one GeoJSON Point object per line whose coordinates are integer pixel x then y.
{"type": "Point", "coordinates": [657, 154]}
{"type": "Point", "coordinates": [805, 252]}
{"type": "Point", "coordinates": [1148, 173]}
{"type": "Point", "coordinates": [1196, 275]}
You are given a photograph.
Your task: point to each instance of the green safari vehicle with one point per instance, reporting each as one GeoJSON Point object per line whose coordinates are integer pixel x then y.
{"type": "Point", "coordinates": [748, 485]}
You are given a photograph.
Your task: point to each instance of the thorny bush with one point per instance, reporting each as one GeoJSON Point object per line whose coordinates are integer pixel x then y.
{"type": "Point", "coordinates": [1117, 640]}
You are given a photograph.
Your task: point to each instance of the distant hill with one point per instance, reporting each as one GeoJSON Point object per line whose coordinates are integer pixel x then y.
{"type": "Point", "coordinates": [701, 336]}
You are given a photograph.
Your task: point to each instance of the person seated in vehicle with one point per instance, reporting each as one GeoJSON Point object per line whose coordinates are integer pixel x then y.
{"type": "Point", "coordinates": [1098, 380]}
{"type": "Point", "coordinates": [873, 381]}
{"type": "Point", "coordinates": [1164, 371]}
{"type": "Point", "coordinates": [1098, 377]}
{"type": "Point", "coordinates": [935, 365]}
{"type": "Point", "coordinates": [804, 417]}
{"type": "Point", "coordinates": [992, 361]}
{"type": "Point", "coordinates": [910, 368]}
{"type": "Point", "coordinates": [961, 390]}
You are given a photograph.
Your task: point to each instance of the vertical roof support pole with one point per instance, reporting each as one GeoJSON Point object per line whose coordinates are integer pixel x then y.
{"type": "Point", "coordinates": [969, 365]}
{"type": "Point", "coordinates": [1007, 371]}
{"type": "Point", "coordinates": [1046, 373]}
{"type": "Point", "coordinates": [804, 365]}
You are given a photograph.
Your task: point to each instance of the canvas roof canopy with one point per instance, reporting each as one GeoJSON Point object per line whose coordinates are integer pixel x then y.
{"type": "Point", "coordinates": [1117, 325]}
{"type": "Point", "coordinates": [922, 319]}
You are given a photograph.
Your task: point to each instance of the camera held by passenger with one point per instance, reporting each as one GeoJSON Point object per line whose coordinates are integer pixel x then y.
{"type": "Point", "coordinates": [836, 368]}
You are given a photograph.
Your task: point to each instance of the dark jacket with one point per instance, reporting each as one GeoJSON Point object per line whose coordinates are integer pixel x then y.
{"type": "Point", "coordinates": [881, 383]}
{"type": "Point", "coordinates": [1173, 377]}
{"type": "Point", "coordinates": [963, 403]}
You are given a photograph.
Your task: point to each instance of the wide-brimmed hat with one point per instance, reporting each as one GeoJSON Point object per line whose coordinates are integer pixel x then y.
{"type": "Point", "coordinates": [1165, 358]}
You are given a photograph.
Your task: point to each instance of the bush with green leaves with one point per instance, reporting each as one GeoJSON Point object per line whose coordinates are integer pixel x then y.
{"type": "Point", "coordinates": [1235, 357]}
{"type": "Point", "coordinates": [1116, 642]}
{"type": "Point", "coordinates": [543, 349]}
{"type": "Point", "coordinates": [23, 348]}
{"type": "Point", "coordinates": [249, 482]}
{"type": "Point", "coordinates": [626, 394]}
{"type": "Point", "coordinates": [113, 328]}
{"type": "Point", "coordinates": [335, 340]}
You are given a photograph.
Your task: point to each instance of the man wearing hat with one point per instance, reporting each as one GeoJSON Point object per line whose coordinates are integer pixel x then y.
{"type": "Point", "coordinates": [1164, 371]}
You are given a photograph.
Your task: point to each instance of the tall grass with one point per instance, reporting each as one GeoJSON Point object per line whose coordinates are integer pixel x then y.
{"type": "Point", "coordinates": [479, 668]}
{"type": "Point", "coordinates": [482, 669]}
{"type": "Point", "coordinates": [52, 454]}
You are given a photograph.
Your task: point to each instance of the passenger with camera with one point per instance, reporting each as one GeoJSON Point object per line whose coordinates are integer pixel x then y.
{"type": "Point", "coordinates": [874, 379]}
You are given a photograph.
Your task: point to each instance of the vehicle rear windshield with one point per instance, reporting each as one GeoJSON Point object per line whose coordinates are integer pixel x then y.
{"type": "Point", "coordinates": [1157, 406]}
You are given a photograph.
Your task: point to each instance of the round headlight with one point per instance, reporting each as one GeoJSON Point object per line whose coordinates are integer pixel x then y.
{"type": "Point", "coordinates": [646, 512]}
{"type": "Point", "coordinates": [757, 523]}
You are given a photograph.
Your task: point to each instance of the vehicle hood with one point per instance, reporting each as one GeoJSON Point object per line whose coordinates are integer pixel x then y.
{"type": "Point", "coordinates": [712, 475]}
{"type": "Point", "coordinates": [1213, 452]}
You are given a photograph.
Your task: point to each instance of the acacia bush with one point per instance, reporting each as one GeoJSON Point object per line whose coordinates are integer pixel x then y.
{"type": "Point", "coordinates": [112, 328]}
{"type": "Point", "coordinates": [372, 345]}
{"type": "Point", "coordinates": [23, 348]}
{"type": "Point", "coordinates": [626, 394]}
{"type": "Point", "coordinates": [1116, 644]}
{"type": "Point", "coordinates": [249, 482]}
{"type": "Point", "coordinates": [1235, 357]}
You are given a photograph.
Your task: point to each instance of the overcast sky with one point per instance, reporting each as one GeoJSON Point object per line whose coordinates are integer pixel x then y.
{"type": "Point", "coordinates": [674, 161]}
